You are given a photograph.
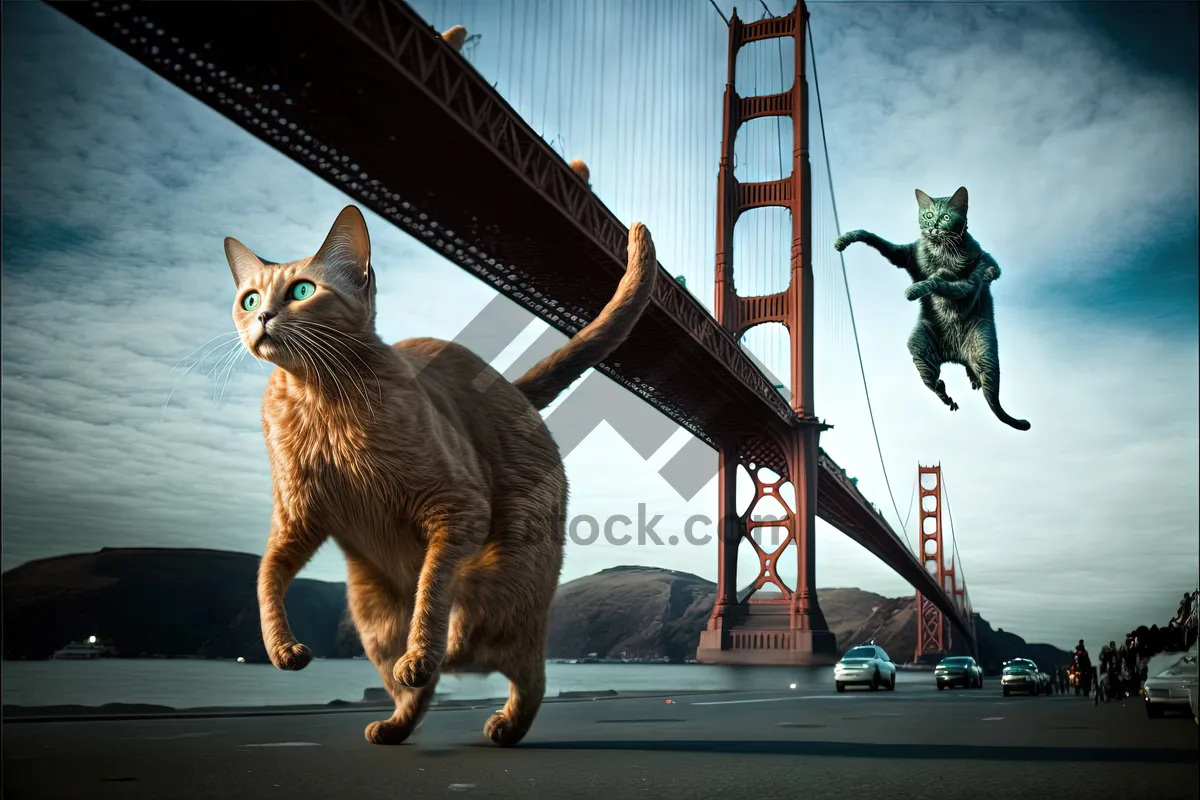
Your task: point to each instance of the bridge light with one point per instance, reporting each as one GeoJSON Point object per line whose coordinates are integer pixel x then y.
{"type": "Point", "coordinates": [681, 280]}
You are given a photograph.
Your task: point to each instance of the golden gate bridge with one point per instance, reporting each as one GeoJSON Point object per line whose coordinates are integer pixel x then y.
{"type": "Point", "coordinates": [440, 138]}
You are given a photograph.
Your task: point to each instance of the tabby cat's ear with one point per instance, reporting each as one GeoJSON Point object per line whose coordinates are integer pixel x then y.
{"type": "Point", "coordinates": [242, 263]}
{"type": "Point", "coordinates": [923, 200]}
{"type": "Point", "coordinates": [958, 200]}
{"type": "Point", "coordinates": [346, 251]}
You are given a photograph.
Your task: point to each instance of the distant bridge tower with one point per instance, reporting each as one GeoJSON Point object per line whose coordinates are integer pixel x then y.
{"type": "Point", "coordinates": [790, 629]}
{"type": "Point", "coordinates": [933, 634]}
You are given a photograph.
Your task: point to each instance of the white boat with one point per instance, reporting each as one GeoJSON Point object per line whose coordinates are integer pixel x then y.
{"type": "Point", "coordinates": [76, 651]}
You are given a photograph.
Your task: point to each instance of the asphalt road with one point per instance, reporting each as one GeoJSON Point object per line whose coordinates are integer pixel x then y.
{"type": "Point", "coordinates": [913, 743]}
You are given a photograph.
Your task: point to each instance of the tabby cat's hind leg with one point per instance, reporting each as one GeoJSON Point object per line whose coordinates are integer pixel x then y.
{"type": "Point", "coordinates": [525, 669]}
{"type": "Point", "coordinates": [382, 622]}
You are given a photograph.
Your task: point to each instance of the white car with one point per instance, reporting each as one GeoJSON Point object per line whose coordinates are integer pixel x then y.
{"type": "Point", "coordinates": [865, 665]}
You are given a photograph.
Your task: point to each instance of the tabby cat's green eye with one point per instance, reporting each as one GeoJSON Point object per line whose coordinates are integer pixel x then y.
{"type": "Point", "coordinates": [250, 301]}
{"type": "Point", "coordinates": [303, 290]}
{"type": "Point", "coordinates": [946, 217]}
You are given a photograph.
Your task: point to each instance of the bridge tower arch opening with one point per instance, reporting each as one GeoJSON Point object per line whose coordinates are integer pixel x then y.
{"type": "Point", "coordinates": [788, 627]}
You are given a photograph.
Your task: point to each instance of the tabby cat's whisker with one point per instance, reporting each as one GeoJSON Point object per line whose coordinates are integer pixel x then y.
{"type": "Point", "coordinates": [229, 371]}
{"type": "Point", "coordinates": [329, 341]}
{"type": "Point", "coordinates": [201, 347]}
{"type": "Point", "coordinates": [194, 364]}
{"type": "Point", "coordinates": [320, 360]}
{"type": "Point", "coordinates": [330, 355]}
{"type": "Point", "coordinates": [219, 369]}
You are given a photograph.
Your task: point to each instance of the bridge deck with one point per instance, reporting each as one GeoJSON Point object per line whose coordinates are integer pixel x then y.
{"type": "Point", "coordinates": [366, 95]}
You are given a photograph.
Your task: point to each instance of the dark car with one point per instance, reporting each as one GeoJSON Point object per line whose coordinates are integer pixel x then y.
{"type": "Point", "coordinates": [958, 671]}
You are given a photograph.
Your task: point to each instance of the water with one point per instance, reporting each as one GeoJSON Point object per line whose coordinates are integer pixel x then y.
{"type": "Point", "coordinates": [181, 683]}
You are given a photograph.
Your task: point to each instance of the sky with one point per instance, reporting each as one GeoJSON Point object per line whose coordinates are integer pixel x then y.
{"type": "Point", "coordinates": [1073, 126]}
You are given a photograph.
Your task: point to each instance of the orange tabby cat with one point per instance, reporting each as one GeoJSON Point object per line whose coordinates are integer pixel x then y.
{"type": "Point", "coordinates": [435, 476]}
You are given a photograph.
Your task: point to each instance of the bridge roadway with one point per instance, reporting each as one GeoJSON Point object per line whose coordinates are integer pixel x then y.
{"type": "Point", "coordinates": [915, 742]}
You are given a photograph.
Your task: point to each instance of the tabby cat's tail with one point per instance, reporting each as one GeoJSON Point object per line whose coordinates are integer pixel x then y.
{"type": "Point", "coordinates": [551, 376]}
{"type": "Point", "coordinates": [991, 393]}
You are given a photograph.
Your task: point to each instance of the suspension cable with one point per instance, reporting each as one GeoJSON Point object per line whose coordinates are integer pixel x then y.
{"type": "Point", "coordinates": [954, 538]}
{"type": "Point", "coordinates": [846, 281]}
{"type": "Point", "coordinates": [911, 499]}
{"type": "Point", "coordinates": [719, 11]}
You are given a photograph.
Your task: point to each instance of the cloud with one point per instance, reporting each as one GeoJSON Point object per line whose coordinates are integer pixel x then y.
{"type": "Point", "coordinates": [118, 191]}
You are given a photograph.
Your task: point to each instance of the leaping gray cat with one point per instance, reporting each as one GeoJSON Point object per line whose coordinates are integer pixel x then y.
{"type": "Point", "coordinates": [951, 273]}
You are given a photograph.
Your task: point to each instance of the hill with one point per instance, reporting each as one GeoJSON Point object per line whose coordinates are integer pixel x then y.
{"type": "Point", "coordinates": [645, 611]}
{"type": "Point", "coordinates": [202, 603]}
{"type": "Point", "coordinates": [160, 602]}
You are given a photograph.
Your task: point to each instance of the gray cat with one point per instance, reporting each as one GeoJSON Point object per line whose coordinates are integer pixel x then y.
{"type": "Point", "coordinates": [956, 323]}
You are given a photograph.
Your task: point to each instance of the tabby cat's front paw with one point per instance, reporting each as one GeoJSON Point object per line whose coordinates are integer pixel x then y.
{"type": "Point", "coordinates": [291, 657]}
{"type": "Point", "coordinates": [415, 669]}
{"type": "Point", "coordinates": [917, 290]}
{"type": "Point", "coordinates": [847, 239]}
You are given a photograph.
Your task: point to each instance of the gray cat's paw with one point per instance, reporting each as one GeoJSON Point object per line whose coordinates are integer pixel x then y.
{"type": "Point", "coordinates": [845, 240]}
{"type": "Point", "coordinates": [917, 290]}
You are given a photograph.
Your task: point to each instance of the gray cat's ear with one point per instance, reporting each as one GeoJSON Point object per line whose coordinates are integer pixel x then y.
{"type": "Point", "coordinates": [347, 249]}
{"type": "Point", "coordinates": [923, 200]}
{"type": "Point", "coordinates": [242, 263]}
{"type": "Point", "coordinates": [958, 200]}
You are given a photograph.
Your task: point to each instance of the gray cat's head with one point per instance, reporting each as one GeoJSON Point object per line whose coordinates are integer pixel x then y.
{"type": "Point", "coordinates": [942, 218]}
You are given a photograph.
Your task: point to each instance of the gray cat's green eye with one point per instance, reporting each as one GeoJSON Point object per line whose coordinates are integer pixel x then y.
{"type": "Point", "coordinates": [303, 290]}
{"type": "Point", "coordinates": [946, 217]}
{"type": "Point", "coordinates": [250, 301]}
{"type": "Point", "coordinates": [928, 215]}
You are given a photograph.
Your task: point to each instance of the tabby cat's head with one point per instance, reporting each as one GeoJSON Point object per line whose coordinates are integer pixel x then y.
{"type": "Point", "coordinates": [300, 314]}
{"type": "Point", "coordinates": [942, 218]}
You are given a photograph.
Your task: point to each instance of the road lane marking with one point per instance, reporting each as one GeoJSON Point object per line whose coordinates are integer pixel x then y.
{"type": "Point", "coordinates": [992, 719]}
{"type": "Point", "coordinates": [765, 700]}
{"type": "Point", "coordinates": [284, 744]}
{"type": "Point", "coordinates": [172, 737]}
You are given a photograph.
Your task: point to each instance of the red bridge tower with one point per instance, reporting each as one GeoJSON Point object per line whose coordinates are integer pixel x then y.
{"type": "Point", "coordinates": [790, 629]}
{"type": "Point", "coordinates": [933, 634]}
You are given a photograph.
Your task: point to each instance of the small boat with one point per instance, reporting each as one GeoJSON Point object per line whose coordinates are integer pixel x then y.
{"type": "Point", "coordinates": [76, 651]}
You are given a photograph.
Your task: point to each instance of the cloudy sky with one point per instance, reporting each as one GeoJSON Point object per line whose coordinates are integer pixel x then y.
{"type": "Point", "coordinates": [1073, 126]}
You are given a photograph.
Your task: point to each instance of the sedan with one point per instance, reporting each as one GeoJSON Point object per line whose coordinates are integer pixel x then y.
{"type": "Point", "coordinates": [1019, 676]}
{"type": "Point", "coordinates": [865, 665]}
{"type": "Point", "coordinates": [1171, 688]}
{"type": "Point", "coordinates": [958, 671]}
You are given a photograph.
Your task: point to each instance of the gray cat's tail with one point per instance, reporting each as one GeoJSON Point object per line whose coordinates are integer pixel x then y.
{"type": "Point", "coordinates": [991, 393]}
{"type": "Point", "coordinates": [551, 376]}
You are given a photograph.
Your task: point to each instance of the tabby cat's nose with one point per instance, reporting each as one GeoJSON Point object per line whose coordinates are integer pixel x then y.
{"type": "Point", "coordinates": [265, 317]}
